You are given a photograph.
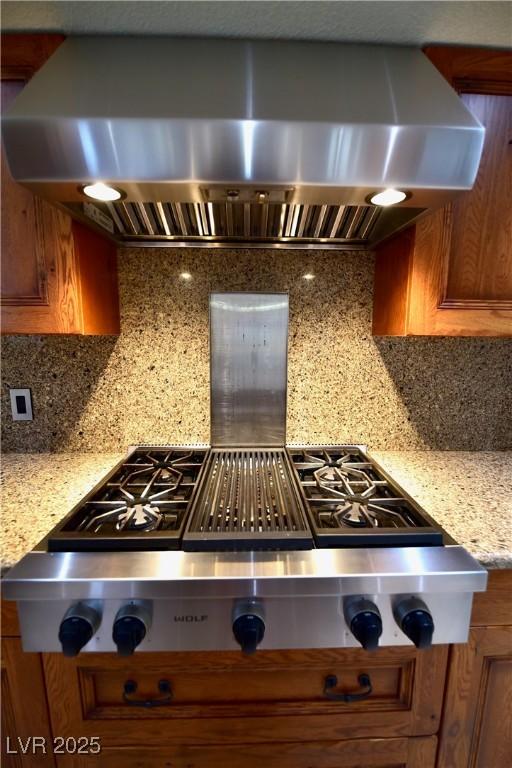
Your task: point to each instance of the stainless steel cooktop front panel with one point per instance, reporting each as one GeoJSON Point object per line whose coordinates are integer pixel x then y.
{"type": "Point", "coordinates": [165, 575]}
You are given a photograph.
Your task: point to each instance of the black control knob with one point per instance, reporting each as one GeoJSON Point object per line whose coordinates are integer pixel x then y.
{"type": "Point", "coordinates": [364, 620]}
{"type": "Point", "coordinates": [248, 629]}
{"type": "Point", "coordinates": [415, 621]}
{"type": "Point", "coordinates": [77, 628]}
{"type": "Point", "coordinates": [130, 627]}
{"type": "Point", "coordinates": [128, 633]}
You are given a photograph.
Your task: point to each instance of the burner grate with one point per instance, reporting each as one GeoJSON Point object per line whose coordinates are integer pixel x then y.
{"type": "Point", "coordinates": [352, 502]}
{"type": "Point", "coordinates": [248, 500]}
{"type": "Point", "coordinates": [141, 504]}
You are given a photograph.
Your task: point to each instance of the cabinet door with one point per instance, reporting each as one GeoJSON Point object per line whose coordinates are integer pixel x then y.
{"type": "Point", "coordinates": [56, 276]}
{"type": "Point", "coordinates": [24, 267]}
{"type": "Point", "coordinates": [451, 274]}
{"type": "Point", "coordinates": [39, 293]}
{"type": "Point", "coordinates": [477, 726]}
{"type": "Point", "coordinates": [24, 711]}
{"type": "Point", "coordinates": [357, 753]}
{"type": "Point", "coordinates": [480, 250]}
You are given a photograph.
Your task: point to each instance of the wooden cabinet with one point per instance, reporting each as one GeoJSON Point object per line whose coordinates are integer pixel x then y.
{"type": "Point", "coordinates": [24, 711]}
{"type": "Point", "coordinates": [228, 698]}
{"type": "Point", "coordinates": [477, 728]}
{"type": "Point", "coordinates": [451, 274]}
{"type": "Point", "coordinates": [357, 753]}
{"type": "Point", "coordinates": [476, 731]}
{"type": "Point", "coordinates": [23, 705]}
{"type": "Point", "coordinates": [56, 275]}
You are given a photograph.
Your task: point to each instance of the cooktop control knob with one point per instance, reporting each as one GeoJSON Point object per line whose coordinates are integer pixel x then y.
{"type": "Point", "coordinates": [248, 625]}
{"type": "Point", "coordinates": [77, 627]}
{"type": "Point", "coordinates": [131, 626]}
{"type": "Point", "coordinates": [364, 620]}
{"type": "Point", "coordinates": [415, 620]}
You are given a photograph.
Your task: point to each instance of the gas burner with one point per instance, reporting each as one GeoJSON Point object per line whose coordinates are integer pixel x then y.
{"type": "Point", "coordinates": [139, 512]}
{"type": "Point", "coordinates": [352, 502]}
{"type": "Point", "coordinates": [342, 481]}
{"type": "Point", "coordinates": [136, 517]}
{"type": "Point", "coordinates": [142, 503]}
{"type": "Point", "coordinates": [353, 514]}
{"type": "Point", "coordinates": [140, 517]}
{"type": "Point", "coordinates": [356, 514]}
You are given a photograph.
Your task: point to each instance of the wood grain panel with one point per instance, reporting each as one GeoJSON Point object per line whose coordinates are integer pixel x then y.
{"type": "Point", "coordinates": [222, 692]}
{"type": "Point", "coordinates": [22, 55]}
{"type": "Point", "coordinates": [55, 278]}
{"type": "Point", "coordinates": [228, 698]}
{"type": "Point", "coordinates": [492, 743]}
{"type": "Point", "coordinates": [39, 278]}
{"type": "Point", "coordinates": [23, 268]}
{"type": "Point", "coordinates": [482, 220]}
{"type": "Point", "coordinates": [476, 731]}
{"type": "Point", "coordinates": [494, 607]}
{"type": "Point", "coordinates": [62, 314]}
{"type": "Point", "coordinates": [24, 710]}
{"type": "Point", "coordinates": [459, 259]}
{"type": "Point", "coordinates": [391, 285]}
{"type": "Point", "coordinates": [363, 753]}
{"type": "Point", "coordinates": [10, 626]}
{"type": "Point", "coordinates": [473, 70]}
{"type": "Point", "coordinates": [97, 266]}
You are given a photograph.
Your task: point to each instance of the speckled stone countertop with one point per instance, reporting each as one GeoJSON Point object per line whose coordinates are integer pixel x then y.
{"type": "Point", "coordinates": [38, 489]}
{"type": "Point", "coordinates": [468, 494]}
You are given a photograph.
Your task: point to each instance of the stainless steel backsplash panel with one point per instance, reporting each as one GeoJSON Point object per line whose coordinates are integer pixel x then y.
{"type": "Point", "coordinates": [248, 368]}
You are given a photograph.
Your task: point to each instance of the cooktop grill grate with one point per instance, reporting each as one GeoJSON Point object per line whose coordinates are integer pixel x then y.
{"type": "Point", "coordinates": [248, 500]}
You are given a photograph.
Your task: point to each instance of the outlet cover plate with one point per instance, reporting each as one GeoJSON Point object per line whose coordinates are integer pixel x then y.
{"type": "Point", "coordinates": [21, 404]}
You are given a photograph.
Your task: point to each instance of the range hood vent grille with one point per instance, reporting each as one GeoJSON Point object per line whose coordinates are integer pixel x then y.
{"type": "Point", "coordinates": [243, 221]}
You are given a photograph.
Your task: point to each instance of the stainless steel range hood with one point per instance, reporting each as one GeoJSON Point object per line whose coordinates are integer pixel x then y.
{"type": "Point", "coordinates": [224, 140]}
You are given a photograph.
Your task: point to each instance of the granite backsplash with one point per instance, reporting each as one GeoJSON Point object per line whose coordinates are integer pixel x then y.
{"type": "Point", "coordinates": [151, 384]}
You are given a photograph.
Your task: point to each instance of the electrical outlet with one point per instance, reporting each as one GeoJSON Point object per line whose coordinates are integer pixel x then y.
{"type": "Point", "coordinates": [21, 404]}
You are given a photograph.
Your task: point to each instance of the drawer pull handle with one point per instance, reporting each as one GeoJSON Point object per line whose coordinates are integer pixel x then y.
{"type": "Point", "coordinates": [331, 681]}
{"type": "Point", "coordinates": [130, 688]}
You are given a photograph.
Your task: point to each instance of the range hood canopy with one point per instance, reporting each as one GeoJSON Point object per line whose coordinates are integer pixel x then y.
{"type": "Point", "coordinates": [227, 139]}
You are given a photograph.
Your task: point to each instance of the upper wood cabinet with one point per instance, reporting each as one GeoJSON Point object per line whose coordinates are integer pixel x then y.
{"type": "Point", "coordinates": [57, 276]}
{"type": "Point", "coordinates": [451, 274]}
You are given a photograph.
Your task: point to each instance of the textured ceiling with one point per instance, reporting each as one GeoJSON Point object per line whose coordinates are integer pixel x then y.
{"type": "Point", "coordinates": [415, 23]}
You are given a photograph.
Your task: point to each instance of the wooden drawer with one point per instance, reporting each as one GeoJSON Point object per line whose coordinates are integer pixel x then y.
{"type": "Point", "coordinates": [229, 698]}
{"type": "Point", "coordinates": [370, 753]}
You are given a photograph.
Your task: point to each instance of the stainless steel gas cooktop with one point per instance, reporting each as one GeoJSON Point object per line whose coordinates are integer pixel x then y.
{"type": "Point", "coordinates": [248, 543]}
{"type": "Point", "coordinates": [201, 499]}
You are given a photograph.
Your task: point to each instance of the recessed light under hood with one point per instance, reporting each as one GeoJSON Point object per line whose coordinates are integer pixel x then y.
{"type": "Point", "coordinates": [215, 141]}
